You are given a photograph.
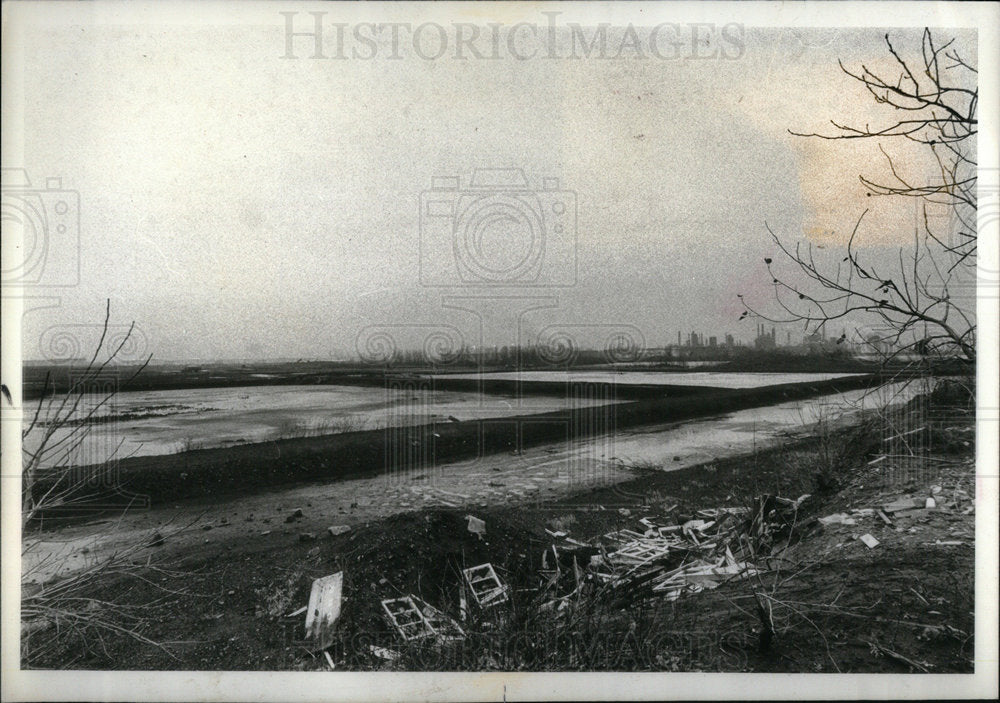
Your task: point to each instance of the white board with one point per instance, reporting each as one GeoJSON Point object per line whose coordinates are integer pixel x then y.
{"type": "Point", "coordinates": [324, 608]}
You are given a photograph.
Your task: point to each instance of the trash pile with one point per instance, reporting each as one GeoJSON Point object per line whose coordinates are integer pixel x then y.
{"type": "Point", "coordinates": [667, 559]}
{"type": "Point", "coordinates": [663, 557]}
{"type": "Point", "coordinates": [900, 514]}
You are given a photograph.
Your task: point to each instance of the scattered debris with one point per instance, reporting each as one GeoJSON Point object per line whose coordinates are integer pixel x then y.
{"type": "Point", "coordinates": [884, 518]}
{"type": "Point", "coordinates": [903, 434]}
{"type": "Point", "coordinates": [898, 506]}
{"type": "Point", "coordinates": [869, 541]}
{"type": "Point", "coordinates": [383, 653]}
{"type": "Point", "coordinates": [555, 533]}
{"type": "Point", "coordinates": [407, 618]}
{"type": "Point", "coordinates": [444, 626]}
{"type": "Point", "coordinates": [879, 650]}
{"type": "Point", "coordinates": [476, 526]}
{"type": "Point", "coordinates": [838, 519]}
{"type": "Point", "coordinates": [324, 608]}
{"type": "Point", "coordinates": [668, 560]}
{"type": "Point", "coordinates": [296, 613]}
{"type": "Point", "coordinates": [335, 530]}
{"type": "Point", "coordinates": [329, 659]}
{"type": "Point", "coordinates": [485, 585]}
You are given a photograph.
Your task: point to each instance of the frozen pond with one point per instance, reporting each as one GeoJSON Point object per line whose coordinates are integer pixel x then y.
{"type": "Point", "coordinates": [716, 379]}
{"type": "Point", "coordinates": [689, 443]}
{"type": "Point", "coordinates": [539, 473]}
{"type": "Point", "coordinates": [165, 422]}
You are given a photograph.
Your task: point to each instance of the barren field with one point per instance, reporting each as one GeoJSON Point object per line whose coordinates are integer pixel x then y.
{"type": "Point", "coordinates": [228, 587]}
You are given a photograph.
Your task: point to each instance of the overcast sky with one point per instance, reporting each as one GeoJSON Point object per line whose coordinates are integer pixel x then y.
{"type": "Point", "coordinates": [238, 204]}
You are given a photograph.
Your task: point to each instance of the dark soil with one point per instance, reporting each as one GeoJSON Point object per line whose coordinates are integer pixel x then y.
{"type": "Point", "coordinates": [906, 605]}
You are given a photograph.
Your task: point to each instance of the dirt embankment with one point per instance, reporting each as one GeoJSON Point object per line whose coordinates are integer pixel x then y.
{"type": "Point", "coordinates": [209, 472]}
{"type": "Point", "coordinates": [836, 604]}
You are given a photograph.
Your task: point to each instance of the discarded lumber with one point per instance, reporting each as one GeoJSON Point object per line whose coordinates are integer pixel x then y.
{"type": "Point", "coordinates": [407, 618]}
{"type": "Point", "coordinates": [324, 608]}
{"type": "Point", "coordinates": [485, 585]}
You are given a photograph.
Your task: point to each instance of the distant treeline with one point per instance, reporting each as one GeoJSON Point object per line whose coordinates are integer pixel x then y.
{"type": "Point", "coordinates": [55, 378]}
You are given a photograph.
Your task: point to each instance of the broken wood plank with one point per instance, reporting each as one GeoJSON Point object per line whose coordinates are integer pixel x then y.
{"type": "Point", "coordinates": [324, 608]}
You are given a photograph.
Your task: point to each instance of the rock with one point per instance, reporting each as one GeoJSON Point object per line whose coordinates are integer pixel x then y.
{"type": "Point", "coordinates": [477, 526]}
{"type": "Point", "coordinates": [335, 530]}
{"type": "Point", "coordinates": [307, 536]}
{"type": "Point", "coordinates": [382, 653]}
{"type": "Point", "coordinates": [35, 625]}
{"type": "Point", "coordinates": [296, 515]}
{"type": "Point", "coordinates": [157, 540]}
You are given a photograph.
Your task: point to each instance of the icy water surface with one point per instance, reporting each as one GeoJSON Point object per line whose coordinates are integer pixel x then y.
{"type": "Point", "coordinates": [165, 422]}
{"type": "Point", "coordinates": [716, 379]}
